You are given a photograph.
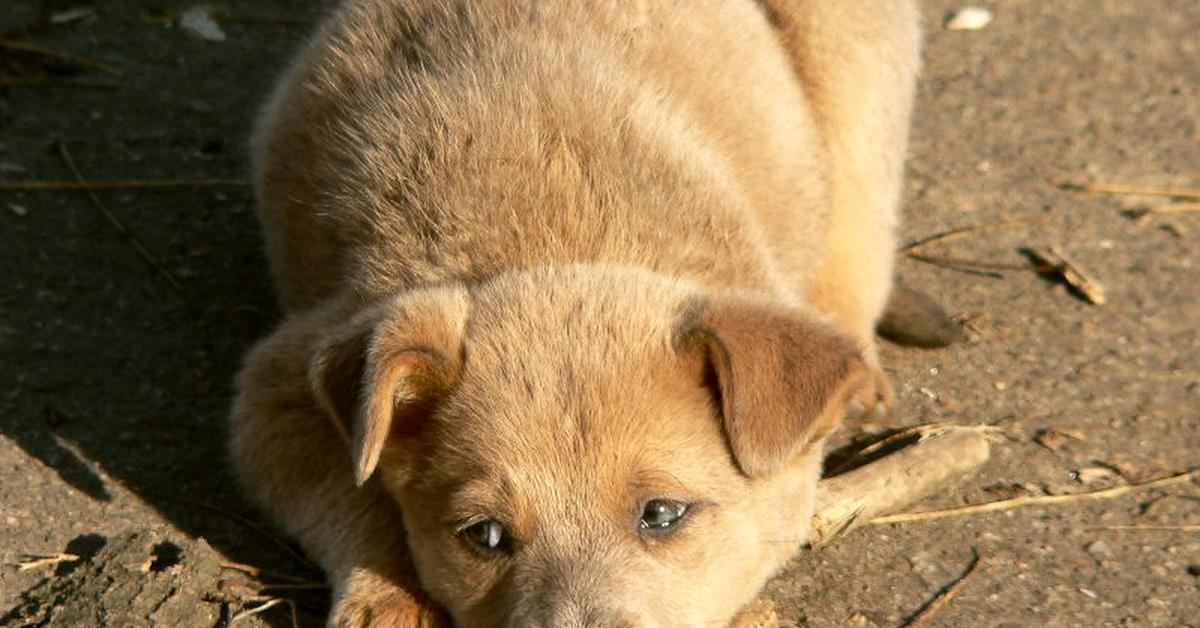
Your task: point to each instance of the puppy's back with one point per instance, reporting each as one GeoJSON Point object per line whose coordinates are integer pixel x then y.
{"type": "Point", "coordinates": [416, 142]}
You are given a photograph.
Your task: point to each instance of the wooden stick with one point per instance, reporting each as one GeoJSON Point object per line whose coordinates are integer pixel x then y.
{"type": "Point", "coordinates": [976, 265]}
{"type": "Point", "coordinates": [934, 605]}
{"type": "Point", "coordinates": [33, 562]}
{"type": "Point", "coordinates": [895, 438]}
{"type": "Point", "coordinates": [271, 603]}
{"type": "Point", "coordinates": [245, 522]}
{"type": "Point", "coordinates": [259, 572]}
{"type": "Point", "coordinates": [1174, 208]}
{"type": "Point", "coordinates": [116, 224]}
{"type": "Point", "coordinates": [1131, 190]}
{"type": "Point", "coordinates": [303, 586]}
{"type": "Point", "coordinates": [949, 265]}
{"type": "Point", "coordinates": [131, 184]}
{"type": "Point", "coordinates": [42, 82]}
{"type": "Point", "coordinates": [24, 46]}
{"type": "Point", "coordinates": [941, 455]}
{"type": "Point", "coordinates": [1070, 272]}
{"type": "Point", "coordinates": [1035, 500]}
{"type": "Point", "coordinates": [1147, 528]}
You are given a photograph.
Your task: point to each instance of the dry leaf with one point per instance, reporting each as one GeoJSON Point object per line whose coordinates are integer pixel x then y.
{"type": "Point", "coordinates": [1070, 272]}
{"type": "Point", "coordinates": [1055, 439]}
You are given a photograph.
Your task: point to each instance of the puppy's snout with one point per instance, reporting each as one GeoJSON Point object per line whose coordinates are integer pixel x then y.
{"type": "Point", "coordinates": [585, 617]}
{"type": "Point", "coordinates": [575, 594]}
{"type": "Point", "coordinates": [568, 614]}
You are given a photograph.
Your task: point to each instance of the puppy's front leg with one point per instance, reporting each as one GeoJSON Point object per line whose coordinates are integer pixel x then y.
{"type": "Point", "coordinates": [294, 463]}
{"type": "Point", "coordinates": [370, 599]}
{"type": "Point", "coordinates": [858, 61]}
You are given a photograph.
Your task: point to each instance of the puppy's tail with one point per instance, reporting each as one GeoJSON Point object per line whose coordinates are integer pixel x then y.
{"type": "Point", "coordinates": [913, 319]}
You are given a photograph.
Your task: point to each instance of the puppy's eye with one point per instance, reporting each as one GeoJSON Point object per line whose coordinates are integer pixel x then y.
{"type": "Point", "coordinates": [487, 535]}
{"type": "Point", "coordinates": [661, 514]}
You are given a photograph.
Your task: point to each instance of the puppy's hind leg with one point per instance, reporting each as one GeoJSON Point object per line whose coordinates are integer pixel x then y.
{"type": "Point", "coordinates": [290, 457]}
{"type": "Point", "coordinates": [857, 61]}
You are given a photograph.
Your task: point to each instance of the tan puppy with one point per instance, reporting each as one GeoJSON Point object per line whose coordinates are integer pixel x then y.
{"type": "Point", "coordinates": [574, 292]}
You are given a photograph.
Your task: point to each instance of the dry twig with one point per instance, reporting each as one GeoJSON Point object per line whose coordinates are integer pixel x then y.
{"type": "Point", "coordinates": [1071, 272]}
{"type": "Point", "coordinates": [1147, 528]}
{"type": "Point", "coordinates": [1143, 215]}
{"type": "Point", "coordinates": [245, 522]}
{"type": "Point", "coordinates": [960, 232]}
{"type": "Point", "coordinates": [130, 184]}
{"type": "Point", "coordinates": [33, 562]}
{"type": "Point", "coordinates": [45, 82]}
{"type": "Point", "coordinates": [918, 432]}
{"type": "Point", "coordinates": [951, 264]}
{"type": "Point", "coordinates": [267, 605]}
{"type": "Point", "coordinates": [980, 265]}
{"type": "Point", "coordinates": [1175, 208]}
{"type": "Point", "coordinates": [915, 250]}
{"type": "Point", "coordinates": [258, 572]}
{"type": "Point", "coordinates": [1035, 500]}
{"type": "Point", "coordinates": [24, 46]}
{"type": "Point", "coordinates": [941, 454]}
{"type": "Point", "coordinates": [1096, 187]}
{"type": "Point", "coordinates": [987, 269]}
{"type": "Point", "coordinates": [934, 605]}
{"type": "Point", "coordinates": [118, 225]}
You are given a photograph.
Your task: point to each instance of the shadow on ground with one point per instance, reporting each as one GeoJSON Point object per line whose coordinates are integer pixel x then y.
{"type": "Point", "coordinates": [118, 380]}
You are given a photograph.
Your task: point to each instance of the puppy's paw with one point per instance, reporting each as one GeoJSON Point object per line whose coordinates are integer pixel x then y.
{"type": "Point", "coordinates": [379, 604]}
{"type": "Point", "coordinates": [874, 400]}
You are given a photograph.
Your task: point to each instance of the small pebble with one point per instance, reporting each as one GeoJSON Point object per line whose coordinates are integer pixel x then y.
{"type": "Point", "coordinates": [968, 19]}
{"type": "Point", "coordinates": [200, 22]}
{"type": "Point", "coordinates": [72, 15]}
{"type": "Point", "coordinates": [1054, 439]}
{"type": "Point", "coordinates": [1098, 550]}
{"type": "Point", "coordinates": [1091, 475]}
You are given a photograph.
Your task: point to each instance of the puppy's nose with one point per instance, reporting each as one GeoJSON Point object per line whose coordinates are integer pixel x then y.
{"type": "Point", "coordinates": [573, 616]}
{"type": "Point", "coordinates": [612, 620]}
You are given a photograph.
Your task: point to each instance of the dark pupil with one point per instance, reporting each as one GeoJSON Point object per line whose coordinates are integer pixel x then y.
{"type": "Point", "coordinates": [486, 534]}
{"type": "Point", "coordinates": [660, 513]}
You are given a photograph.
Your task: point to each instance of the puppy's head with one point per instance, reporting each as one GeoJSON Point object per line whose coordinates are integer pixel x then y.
{"type": "Point", "coordinates": [590, 447]}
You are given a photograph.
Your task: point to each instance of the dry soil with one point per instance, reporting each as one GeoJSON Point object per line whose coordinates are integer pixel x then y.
{"type": "Point", "coordinates": [116, 384]}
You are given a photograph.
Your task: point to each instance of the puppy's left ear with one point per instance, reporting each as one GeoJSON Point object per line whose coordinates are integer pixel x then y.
{"type": "Point", "coordinates": [381, 376]}
{"type": "Point", "coordinates": [783, 379]}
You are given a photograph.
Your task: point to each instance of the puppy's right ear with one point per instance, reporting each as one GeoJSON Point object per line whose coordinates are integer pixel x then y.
{"type": "Point", "coordinates": [380, 377]}
{"type": "Point", "coordinates": [782, 379]}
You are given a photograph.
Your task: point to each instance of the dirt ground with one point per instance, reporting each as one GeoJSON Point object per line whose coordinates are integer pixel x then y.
{"type": "Point", "coordinates": [112, 418]}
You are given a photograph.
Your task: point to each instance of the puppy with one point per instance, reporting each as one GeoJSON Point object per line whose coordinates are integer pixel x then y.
{"type": "Point", "coordinates": [574, 292]}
